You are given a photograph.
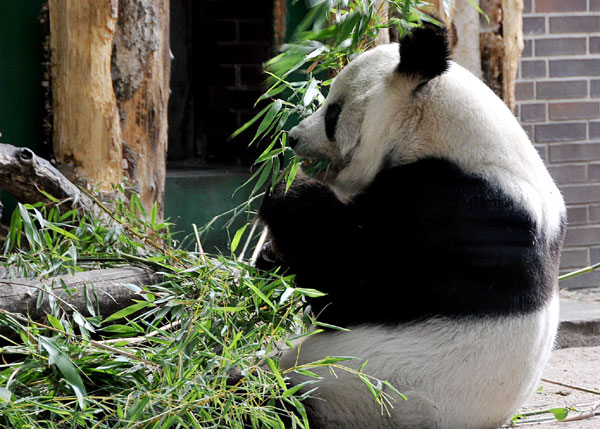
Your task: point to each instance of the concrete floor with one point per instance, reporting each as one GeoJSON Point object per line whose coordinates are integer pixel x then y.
{"type": "Point", "coordinates": [576, 363]}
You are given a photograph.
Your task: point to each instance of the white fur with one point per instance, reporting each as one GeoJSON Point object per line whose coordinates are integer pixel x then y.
{"type": "Point", "coordinates": [470, 374]}
{"type": "Point", "coordinates": [455, 116]}
{"type": "Point", "coordinates": [456, 374]}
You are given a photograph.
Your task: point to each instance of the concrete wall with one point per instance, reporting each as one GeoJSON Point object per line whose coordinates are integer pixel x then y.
{"type": "Point", "coordinates": [558, 103]}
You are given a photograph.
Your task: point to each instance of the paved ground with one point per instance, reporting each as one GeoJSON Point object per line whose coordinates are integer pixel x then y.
{"type": "Point", "coordinates": [580, 367]}
{"type": "Point", "coordinates": [575, 366]}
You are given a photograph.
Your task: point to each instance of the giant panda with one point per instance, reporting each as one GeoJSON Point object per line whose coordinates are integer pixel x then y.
{"type": "Point", "coordinates": [436, 236]}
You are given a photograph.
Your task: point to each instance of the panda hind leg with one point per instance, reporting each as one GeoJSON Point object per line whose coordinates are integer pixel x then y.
{"type": "Point", "coordinates": [416, 411]}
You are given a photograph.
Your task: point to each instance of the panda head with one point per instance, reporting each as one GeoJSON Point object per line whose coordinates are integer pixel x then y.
{"type": "Point", "coordinates": [374, 91]}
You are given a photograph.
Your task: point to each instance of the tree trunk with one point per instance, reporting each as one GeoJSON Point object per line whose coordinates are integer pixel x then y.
{"type": "Point", "coordinates": [110, 89]}
{"type": "Point", "coordinates": [91, 291]}
{"type": "Point", "coordinates": [141, 65]}
{"type": "Point", "coordinates": [87, 136]}
{"type": "Point", "coordinates": [491, 50]}
{"type": "Point", "coordinates": [501, 46]}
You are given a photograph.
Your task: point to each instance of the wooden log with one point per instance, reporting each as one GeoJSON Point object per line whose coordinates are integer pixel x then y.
{"type": "Point", "coordinates": [104, 289]}
{"type": "Point", "coordinates": [23, 174]}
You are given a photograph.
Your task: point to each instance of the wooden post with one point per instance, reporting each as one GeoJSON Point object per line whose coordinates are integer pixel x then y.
{"type": "Point", "coordinates": [87, 135]}
{"type": "Point", "coordinates": [141, 67]}
{"type": "Point", "coordinates": [501, 46]}
{"type": "Point", "coordinates": [110, 86]}
{"type": "Point", "coordinates": [383, 37]}
{"type": "Point", "coordinates": [466, 51]}
{"type": "Point", "coordinates": [489, 50]}
{"type": "Point", "coordinates": [512, 25]}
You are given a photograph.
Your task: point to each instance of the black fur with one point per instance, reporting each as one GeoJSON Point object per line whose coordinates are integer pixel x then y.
{"type": "Point", "coordinates": [332, 115]}
{"type": "Point", "coordinates": [425, 52]}
{"type": "Point", "coordinates": [423, 239]}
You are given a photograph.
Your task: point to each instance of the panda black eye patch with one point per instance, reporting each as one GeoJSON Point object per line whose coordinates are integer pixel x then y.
{"type": "Point", "coordinates": [331, 119]}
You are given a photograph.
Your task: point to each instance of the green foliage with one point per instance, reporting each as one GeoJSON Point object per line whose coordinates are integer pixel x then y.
{"type": "Point", "coordinates": [330, 35]}
{"type": "Point", "coordinates": [171, 358]}
{"type": "Point", "coordinates": [166, 360]}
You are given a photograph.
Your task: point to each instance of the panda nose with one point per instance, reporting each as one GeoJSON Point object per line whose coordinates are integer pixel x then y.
{"type": "Point", "coordinates": [292, 141]}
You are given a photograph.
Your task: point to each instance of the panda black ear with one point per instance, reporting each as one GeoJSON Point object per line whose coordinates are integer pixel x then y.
{"type": "Point", "coordinates": [425, 51]}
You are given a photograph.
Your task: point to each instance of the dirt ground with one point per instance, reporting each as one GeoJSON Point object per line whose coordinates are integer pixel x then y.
{"type": "Point", "coordinates": [579, 367]}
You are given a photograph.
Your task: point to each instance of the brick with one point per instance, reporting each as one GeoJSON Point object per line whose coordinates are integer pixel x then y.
{"type": "Point", "coordinates": [574, 258]}
{"type": "Point", "coordinates": [527, 49]}
{"type": "Point", "coordinates": [252, 76]}
{"type": "Point", "coordinates": [531, 69]}
{"type": "Point", "coordinates": [533, 112]}
{"type": "Point", "coordinates": [240, 54]}
{"type": "Point", "coordinates": [582, 236]}
{"type": "Point", "coordinates": [235, 99]}
{"type": "Point", "coordinates": [577, 110]}
{"type": "Point", "coordinates": [560, 132]}
{"type": "Point", "coordinates": [223, 76]}
{"type": "Point", "coordinates": [561, 89]}
{"type": "Point", "coordinates": [222, 120]}
{"type": "Point", "coordinates": [579, 194]}
{"type": "Point", "coordinates": [560, 5]}
{"type": "Point", "coordinates": [244, 9]}
{"type": "Point", "coordinates": [527, 6]}
{"type": "Point", "coordinates": [594, 211]}
{"type": "Point", "coordinates": [577, 215]}
{"type": "Point", "coordinates": [595, 45]}
{"type": "Point", "coordinates": [560, 46]}
{"type": "Point", "coordinates": [588, 280]}
{"type": "Point", "coordinates": [595, 88]}
{"type": "Point", "coordinates": [542, 149]}
{"type": "Point", "coordinates": [574, 24]}
{"type": "Point", "coordinates": [252, 31]}
{"type": "Point", "coordinates": [223, 31]}
{"type": "Point", "coordinates": [594, 172]}
{"type": "Point", "coordinates": [594, 5]}
{"type": "Point", "coordinates": [575, 152]}
{"type": "Point", "coordinates": [528, 130]}
{"type": "Point", "coordinates": [594, 255]}
{"type": "Point", "coordinates": [571, 173]}
{"type": "Point", "coordinates": [594, 130]}
{"type": "Point", "coordinates": [571, 68]}
{"type": "Point", "coordinates": [524, 90]}
{"type": "Point", "coordinates": [534, 25]}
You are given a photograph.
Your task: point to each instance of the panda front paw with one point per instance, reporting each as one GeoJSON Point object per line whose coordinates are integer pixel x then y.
{"type": "Point", "coordinates": [303, 196]}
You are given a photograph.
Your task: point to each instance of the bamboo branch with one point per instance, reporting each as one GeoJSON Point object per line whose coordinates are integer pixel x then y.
{"type": "Point", "coordinates": [570, 386]}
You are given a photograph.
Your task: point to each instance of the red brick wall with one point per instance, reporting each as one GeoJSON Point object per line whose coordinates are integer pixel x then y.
{"type": "Point", "coordinates": [558, 103]}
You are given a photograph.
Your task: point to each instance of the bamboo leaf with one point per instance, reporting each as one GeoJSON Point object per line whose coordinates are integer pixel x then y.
{"type": "Point", "coordinates": [249, 123]}
{"type": "Point", "coordinates": [139, 305]}
{"type": "Point", "coordinates": [266, 171]}
{"type": "Point", "coordinates": [559, 413]}
{"type": "Point", "coordinates": [31, 233]}
{"type": "Point", "coordinates": [67, 368]}
{"type": "Point", "coordinates": [237, 237]}
{"type": "Point", "coordinates": [268, 119]}
{"type": "Point", "coordinates": [5, 394]}
{"type": "Point", "coordinates": [261, 295]}
{"type": "Point", "coordinates": [311, 293]}
{"type": "Point", "coordinates": [292, 173]}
